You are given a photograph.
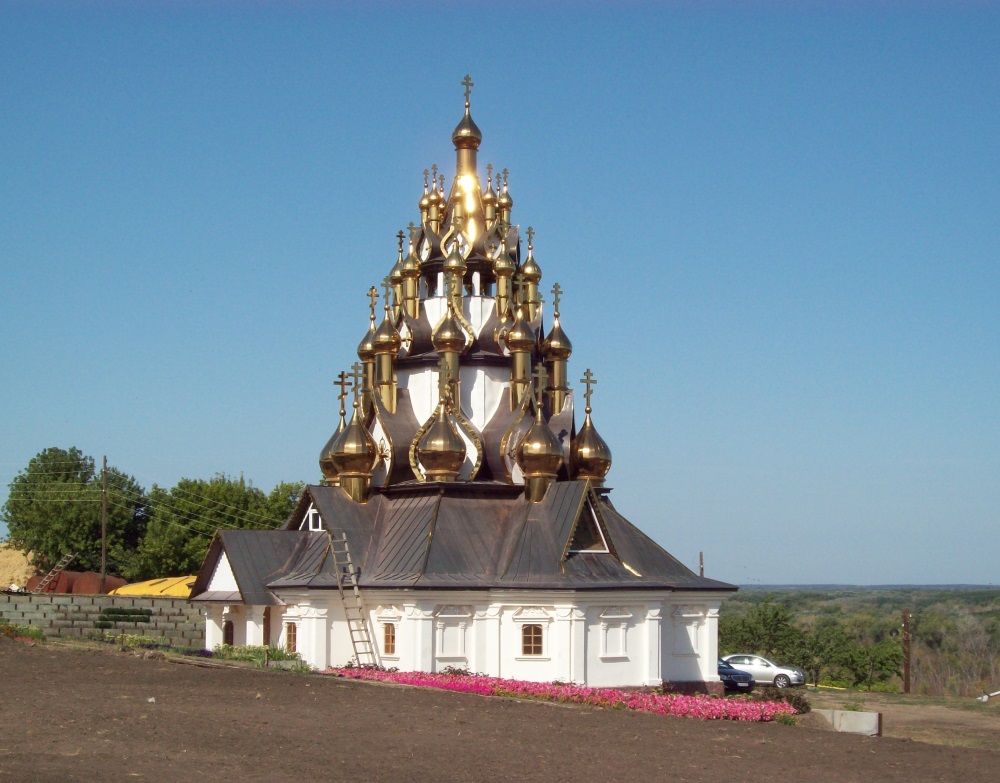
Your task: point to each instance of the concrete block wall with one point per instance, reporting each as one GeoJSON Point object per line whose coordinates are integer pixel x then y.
{"type": "Point", "coordinates": [174, 620]}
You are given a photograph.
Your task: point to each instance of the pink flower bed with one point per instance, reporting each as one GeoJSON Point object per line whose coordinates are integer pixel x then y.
{"type": "Point", "coordinates": [705, 707]}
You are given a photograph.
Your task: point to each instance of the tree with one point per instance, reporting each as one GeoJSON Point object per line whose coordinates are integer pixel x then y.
{"type": "Point", "coordinates": [54, 508]}
{"type": "Point", "coordinates": [183, 519]}
{"type": "Point", "coordinates": [766, 628]}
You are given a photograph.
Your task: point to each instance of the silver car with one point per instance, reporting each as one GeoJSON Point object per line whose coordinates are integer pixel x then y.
{"type": "Point", "coordinates": [766, 672]}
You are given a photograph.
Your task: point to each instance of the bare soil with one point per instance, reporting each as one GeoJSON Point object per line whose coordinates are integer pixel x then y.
{"type": "Point", "coordinates": [77, 714]}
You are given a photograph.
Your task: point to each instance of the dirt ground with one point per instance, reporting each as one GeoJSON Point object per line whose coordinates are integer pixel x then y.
{"type": "Point", "coordinates": [73, 714]}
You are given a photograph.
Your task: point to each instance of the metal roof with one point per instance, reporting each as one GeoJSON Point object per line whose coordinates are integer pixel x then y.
{"type": "Point", "coordinates": [454, 535]}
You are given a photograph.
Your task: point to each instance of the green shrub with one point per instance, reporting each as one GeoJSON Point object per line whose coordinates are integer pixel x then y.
{"type": "Point", "coordinates": [792, 696]}
{"type": "Point", "coordinates": [855, 704]}
{"type": "Point", "coordinates": [785, 719]}
{"type": "Point", "coordinates": [21, 631]}
{"type": "Point", "coordinates": [253, 653]}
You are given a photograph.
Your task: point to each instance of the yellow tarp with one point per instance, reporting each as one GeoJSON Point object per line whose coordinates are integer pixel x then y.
{"type": "Point", "coordinates": [171, 587]}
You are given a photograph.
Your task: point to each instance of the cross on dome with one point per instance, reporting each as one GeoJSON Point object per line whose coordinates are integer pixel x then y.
{"type": "Point", "coordinates": [588, 380]}
{"type": "Point", "coordinates": [556, 297]}
{"type": "Point", "coordinates": [357, 374]}
{"type": "Point", "coordinates": [342, 383]}
{"type": "Point", "coordinates": [387, 287]}
{"type": "Point", "coordinates": [373, 296]}
{"type": "Point", "coordinates": [469, 84]}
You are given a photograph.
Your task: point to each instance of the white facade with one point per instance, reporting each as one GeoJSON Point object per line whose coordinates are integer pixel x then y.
{"type": "Point", "coordinates": [595, 638]}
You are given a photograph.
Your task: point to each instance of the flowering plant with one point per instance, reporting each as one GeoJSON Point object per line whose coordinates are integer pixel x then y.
{"type": "Point", "coordinates": [705, 707]}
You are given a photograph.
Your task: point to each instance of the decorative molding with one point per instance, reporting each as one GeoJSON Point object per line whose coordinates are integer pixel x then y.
{"type": "Point", "coordinates": [616, 613]}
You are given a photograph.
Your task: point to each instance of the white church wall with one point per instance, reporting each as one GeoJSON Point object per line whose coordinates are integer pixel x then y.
{"type": "Point", "coordinates": [223, 579]}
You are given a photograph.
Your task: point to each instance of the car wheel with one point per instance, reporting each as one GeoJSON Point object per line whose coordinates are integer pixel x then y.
{"type": "Point", "coordinates": [782, 681]}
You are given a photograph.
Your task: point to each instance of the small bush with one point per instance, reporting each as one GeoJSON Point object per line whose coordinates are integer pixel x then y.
{"type": "Point", "coordinates": [855, 704]}
{"type": "Point", "coordinates": [784, 719]}
{"type": "Point", "coordinates": [790, 696]}
{"type": "Point", "coordinates": [21, 631]}
{"type": "Point", "coordinates": [253, 653]}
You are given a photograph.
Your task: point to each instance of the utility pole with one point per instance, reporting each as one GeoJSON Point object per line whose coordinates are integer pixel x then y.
{"type": "Point", "coordinates": [906, 650]}
{"type": "Point", "coordinates": [104, 520]}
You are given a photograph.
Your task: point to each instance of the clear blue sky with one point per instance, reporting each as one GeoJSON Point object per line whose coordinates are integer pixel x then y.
{"type": "Point", "coordinates": [776, 225]}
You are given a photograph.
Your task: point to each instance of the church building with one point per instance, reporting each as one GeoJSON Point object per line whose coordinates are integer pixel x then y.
{"type": "Point", "coordinates": [464, 520]}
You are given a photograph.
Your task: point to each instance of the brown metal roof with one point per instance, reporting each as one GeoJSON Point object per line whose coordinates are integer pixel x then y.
{"type": "Point", "coordinates": [456, 535]}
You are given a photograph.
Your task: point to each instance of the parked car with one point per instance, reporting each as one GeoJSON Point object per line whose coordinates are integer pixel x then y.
{"type": "Point", "coordinates": [766, 672]}
{"type": "Point", "coordinates": [734, 679]}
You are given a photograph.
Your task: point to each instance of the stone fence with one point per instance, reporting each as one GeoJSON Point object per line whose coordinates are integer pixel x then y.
{"type": "Point", "coordinates": [173, 620]}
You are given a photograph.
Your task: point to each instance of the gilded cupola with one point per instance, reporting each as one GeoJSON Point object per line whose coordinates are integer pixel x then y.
{"type": "Point", "coordinates": [440, 449]}
{"type": "Point", "coordinates": [591, 455]}
{"type": "Point", "coordinates": [556, 350]}
{"type": "Point", "coordinates": [326, 464]}
{"type": "Point", "coordinates": [539, 455]}
{"type": "Point", "coordinates": [354, 454]}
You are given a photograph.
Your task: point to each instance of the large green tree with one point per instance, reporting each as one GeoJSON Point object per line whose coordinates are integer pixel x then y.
{"type": "Point", "coordinates": [183, 519]}
{"type": "Point", "coordinates": [54, 508]}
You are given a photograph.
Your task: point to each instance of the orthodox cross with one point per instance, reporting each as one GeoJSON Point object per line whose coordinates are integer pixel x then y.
{"type": "Point", "coordinates": [556, 297]}
{"type": "Point", "coordinates": [342, 383]}
{"type": "Point", "coordinates": [541, 378]}
{"type": "Point", "coordinates": [387, 287]}
{"type": "Point", "coordinates": [531, 236]}
{"type": "Point", "coordinates": [399, 236]}
{"type": "Point", "coordinates": [519, 286]}
{"type": "Point", "coordinates": [469, 84]}
{"type": "Point", "coordinates": [373, 296]}
{"type": "Point", "coordinates": [434, 169]}
{"type": "Point", "coordinates": [506, 173]}
{"type": "Point", "coordinates": [426, 172]}
{"type": "Point", "coordinates": [489, 174]}
{"type": "Point", "coordinates": [588, 380]}
{"type": "Point", "coordinates": [357, 373]}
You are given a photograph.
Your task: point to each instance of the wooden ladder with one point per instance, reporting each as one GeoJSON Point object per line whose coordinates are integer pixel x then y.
{"type": "Point", "coordinates": [52, 575]}
{"type": "Point", "coordinates": [365, 652]}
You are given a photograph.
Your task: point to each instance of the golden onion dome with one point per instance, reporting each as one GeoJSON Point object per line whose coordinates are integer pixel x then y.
{"type": "Point", "coordinates": [503, 266]}
{"type": "Point", "coordinates": [557, 344]}
{"type": "Point", "coordinates": [539, 453]}
{"type": "Point", "coordinates": [425, 200]}
{"type": "Point", "coordinates": [386, 339]}
{"type": "Point", "coordinates": [467, 134]}
{"type": "Point", "coordinates": [396, 273]}
{"type": "Point", "coordinates": [411, 264]}
{"type": "Point", "coordinates": [355, 452]}
{"type": "Point", "coordinates": [591, 455]}
{"type": "Point", "coordinates": [441, 450]}
{"type": "Point", "coordinates": [448, 335]}
{"type": "Point", "coordinates": [366, 348]}
{"type": "Point", "coordinates": [504, 200]}
{"type": "Point", "coordinates": [326, 454]}
{"type": "Point", "coordinates": [454, 262]}
{"type": "Point", "coordinates": [530, 269]}
{"type": "Point", "coordinates": [520, 337]}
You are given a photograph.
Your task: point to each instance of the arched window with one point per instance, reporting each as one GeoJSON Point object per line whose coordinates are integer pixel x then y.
{"type": "Point", "coordinates": [531, 639]}
{"type": "Point", "coordinates": [290, 637]}
{"type": "Point", "coordinates": [227, 632]}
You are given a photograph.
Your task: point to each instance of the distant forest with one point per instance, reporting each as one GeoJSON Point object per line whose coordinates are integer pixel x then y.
{"type": "Point", "coordinates": [837, 632]}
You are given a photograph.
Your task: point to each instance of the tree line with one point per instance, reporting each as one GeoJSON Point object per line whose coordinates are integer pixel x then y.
{"type": "Point", "coordinates": [55, 507]}
{"type": "Point", "coordinates": [853, 636]}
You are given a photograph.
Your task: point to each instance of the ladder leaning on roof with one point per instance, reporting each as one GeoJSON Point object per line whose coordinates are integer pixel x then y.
{"type": "Point", "coordinates": [365, 652]}
{"type": "Point", "coordinates": [52, 575]}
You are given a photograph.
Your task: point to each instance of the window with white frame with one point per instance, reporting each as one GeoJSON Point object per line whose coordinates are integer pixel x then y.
{"type": "Point", "coordinates": [388, 617]}
{"type": "Point", "coordinates": [291, 637]}
{"type": "Point", "coordinates": [533, 625]}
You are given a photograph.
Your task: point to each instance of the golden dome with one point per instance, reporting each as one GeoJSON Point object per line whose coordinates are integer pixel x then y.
{"type": "Point", "coordinates": [530, 269]}
{"type": "Point", "coordinates": [425, 200]}
{"type": "Point", "coordinates": [557, 344]}
{"type": "Point", "coordinates": [396, 273]}
{"type": "Point", "coordinates": [326, 454]}
{"type": "Point", "coordinates": [411, 264]}
{"type": "Point", "coordinates": [454, 262]}
{"type": "Point", "coordinates": [520, 337]}
{"type": "Point", "coordinates": [591, 455]}
{"type": "Point", "coordinates": [441, 450]}
{"type": "Point", "coordinates": [386, 339]}
{"type": "Point", "coordinates": [539, 453]}
{"type": "Point", "coordinates": [504, 201]}
{"type": "Point", "coordinates": [467, 134]}
{"type": "Point", "coordinates": [354, 453]}
{"type": "Point", "coordinates": [503, 266]}
{"type": "Point", "coordinates": [366, 348]}
{"type": "Point", "coordinates": [448, 335]}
